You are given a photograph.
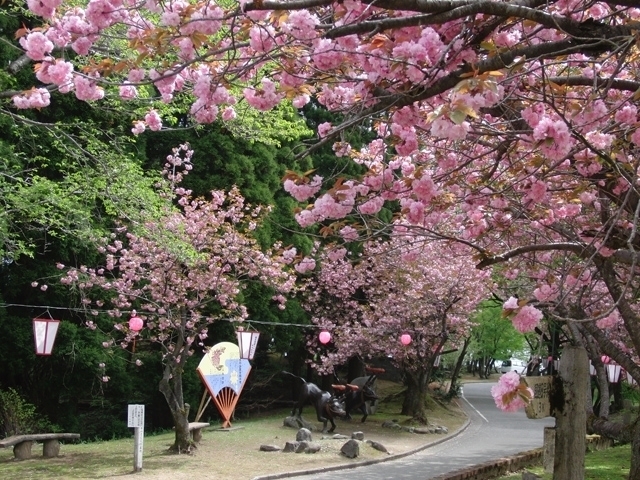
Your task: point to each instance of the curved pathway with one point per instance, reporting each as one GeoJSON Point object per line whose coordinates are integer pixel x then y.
{"type": "Point", "coordinates": [491, 434]}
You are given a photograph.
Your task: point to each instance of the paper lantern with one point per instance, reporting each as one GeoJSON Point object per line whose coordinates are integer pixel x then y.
{"type": "Point", "coordinates": [247, 342]}
{"type": "Point", "coordinates": [630, 379]}
{"type": "Point", "coordinates": [135, 324]}
{"type": "Point", "coordinates": [44, 331]}
{"type": "Point", "coordinates": [613, 372]}
{"type": "Point", "coordinates": [405, 339]}
{"type": "Point", "coordinates": [325, 337]}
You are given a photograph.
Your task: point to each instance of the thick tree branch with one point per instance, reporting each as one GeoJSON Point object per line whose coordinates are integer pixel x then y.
{"type": "Point", "coordinates": [627, 85]}
{"type": "Point", "coordinates": [285, 5]}
{"type": "Point", "coordinates": [577, 248]}
{"type": "Point", "coordinates": [611, 349]}
{"type": "Point", "coordinates": [438, 15]}
{"type": "Point", "coordinates": [19, 64]}
{"type": "Point", "coordinates": [629, 317]}
{"type": "Point", "coordinates": [627, 257]}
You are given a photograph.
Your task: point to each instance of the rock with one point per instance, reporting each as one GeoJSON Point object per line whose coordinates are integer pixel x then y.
{"type": "Point", "coordinates": [312, 447]}
{"type": "Point", "coordinates": [351, 449]}
{"type": "Point", "coordinates": [442, 430]}
{"type": "Point", "coordinates": [409, 429]}
{"type": "Point", "coordinates": [301, 447]}
{"type": "Point", "coordinates": [423, 430]}
{"type": "Point", "coordinates": [297, 423]}
{"type": "Point", "coordinates": [269, 448]}
{"type": "Point", "coordinates": [530, 476]}
{"type": "Point", "coordinates": [378, 446]}
{"type": "Point", "coordinates": [303, 435]}
{"type": "Point", "coordinates": [357, 435]}
{"type": "Point", "coordinates": [291, 422]}
{"type": "Point", "coordinates": [391, 424]}
{"type": "Point", "coordinates": [290, 447]}
{"type": "Point", "coordinates": [337, 436]}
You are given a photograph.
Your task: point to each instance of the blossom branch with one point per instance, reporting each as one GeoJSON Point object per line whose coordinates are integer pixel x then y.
{"type": "Point", "coordinates": [578, 248]}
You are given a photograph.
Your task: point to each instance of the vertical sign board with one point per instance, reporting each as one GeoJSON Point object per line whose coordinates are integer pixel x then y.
{"type": "Point", "coordinates": [540, 405]}
{"type": "Point", "coordinates": [136, 421]}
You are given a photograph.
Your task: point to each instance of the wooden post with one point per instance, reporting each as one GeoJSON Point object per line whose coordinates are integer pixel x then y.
{"type": "Point", "coordinates": [136, 420]}
{"type": "Point", "coordinates": [548, 449]}
{"type": "Point", "coordinates": [138, 448]}
{"type": "Point", "coordinates": [571, 415]}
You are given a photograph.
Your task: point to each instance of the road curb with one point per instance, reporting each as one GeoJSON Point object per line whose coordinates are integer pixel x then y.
{"type": "Point", "coordinates": [495, 468]}
{"type": "Point", "coordinates": [333, 468]}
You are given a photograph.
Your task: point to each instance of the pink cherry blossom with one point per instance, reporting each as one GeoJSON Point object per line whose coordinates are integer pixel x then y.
{"type": "Point", "coordinates": [87, 89]}
{"type": "Point", "coordinates": [301, 25]}
{"type": "Point", "coordinates": [306, 265]}
{"type": "Point", "coordinates": [37, 98]}
{"type": "Point", "coordinates": [36, 45]}
{"type": "Point", "coordinates": [303, 191]}
{"type": "Point", "coordinates": [138, 128]}
{"type": "Point", "coordinates": [509, 394]}
{"type": "Point", "coordinates": [527, 319]}
{"type": "Point", "coordinates": [153, 120]}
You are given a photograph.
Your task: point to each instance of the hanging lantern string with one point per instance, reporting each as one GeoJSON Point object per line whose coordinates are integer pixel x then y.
{"type": "Point", "coordinates": [232, 320]}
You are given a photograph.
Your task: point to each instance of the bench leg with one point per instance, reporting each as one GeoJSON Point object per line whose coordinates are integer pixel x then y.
{"type": "Point", "coordinates": [51, 448]}
{"type": "Point", "coordinates": [196, 434]}
{"type": "Point", "coordinates": [22, 450]}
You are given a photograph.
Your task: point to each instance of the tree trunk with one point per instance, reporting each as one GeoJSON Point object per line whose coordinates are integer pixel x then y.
{"type": "Point", "coordinates": [171, 388]}
{"type": "Point", "coordinates": [415, 398]}
{"type": "Point", "coordinates": [453, 389]}
{"type": "Point", "coordinates": [634, 471]}
{"type": "Point", "coordinates": [571, 416]}
{"type": "Point", "coordinates": [355, 368]}
{"type": "Point", "coordinates": [482, 367]}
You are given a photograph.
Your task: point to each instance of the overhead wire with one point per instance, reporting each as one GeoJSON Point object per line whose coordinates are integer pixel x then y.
{"type": "Point", "coordinates": [106, 312]}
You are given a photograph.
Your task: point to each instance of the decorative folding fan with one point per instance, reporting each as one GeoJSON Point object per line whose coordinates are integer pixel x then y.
{"type": "Point", "coordinates": [223, 372]}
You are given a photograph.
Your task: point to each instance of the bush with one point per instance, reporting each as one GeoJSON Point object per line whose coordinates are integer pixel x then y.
{"type": "Point", "coordinates": [20, 417]}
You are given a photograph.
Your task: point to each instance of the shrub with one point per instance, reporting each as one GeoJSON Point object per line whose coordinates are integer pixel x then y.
{"type": "Point", "coordinates": [20, 417]}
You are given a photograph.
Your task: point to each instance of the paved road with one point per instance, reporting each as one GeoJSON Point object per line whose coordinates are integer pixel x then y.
{"type": "Point", "coordinates": [491, 434]}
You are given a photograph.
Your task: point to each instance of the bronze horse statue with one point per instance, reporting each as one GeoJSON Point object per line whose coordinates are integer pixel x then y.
{"type": "Point", "coordinates": [327, 405]}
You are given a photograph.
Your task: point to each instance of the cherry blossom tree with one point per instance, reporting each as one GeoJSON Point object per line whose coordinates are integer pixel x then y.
{"type": "Point", "coordinates": [511, 127]}
{"type": "Point", "coordinates": [427, 291]}
{"type": "Point", "coordinates": [184, 273]}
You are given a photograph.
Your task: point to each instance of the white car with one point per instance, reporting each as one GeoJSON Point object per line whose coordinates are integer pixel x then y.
{"type": "Point", "coordinates": [513, 365]}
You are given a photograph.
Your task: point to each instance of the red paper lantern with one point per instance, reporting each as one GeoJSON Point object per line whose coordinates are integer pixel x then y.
{"type": "Point", "coordinates": [325, 337]}
{"type": "Point", "coordinates": [405, 339]}
{"type": "Point", "coordinates": [135, 324]}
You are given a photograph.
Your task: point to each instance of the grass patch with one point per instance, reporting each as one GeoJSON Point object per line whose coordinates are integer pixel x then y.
{"type": "Point", "coordinates": [609, 464]}
{"type": "Point", "coordinates": [230, 455]}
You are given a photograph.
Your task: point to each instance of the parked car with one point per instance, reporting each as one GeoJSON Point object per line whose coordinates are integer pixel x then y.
{"type": "Point", "coordinates": [513, 365]}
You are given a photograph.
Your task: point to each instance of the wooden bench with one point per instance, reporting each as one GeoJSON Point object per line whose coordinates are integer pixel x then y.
{"type": "Point", "coordinates": [196, 430]}
{"type": "Point", "coordinates": [22, 443]}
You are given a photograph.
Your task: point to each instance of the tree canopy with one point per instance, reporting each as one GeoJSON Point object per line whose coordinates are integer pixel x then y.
{"type": "Point", "coordinates": [509, 127]}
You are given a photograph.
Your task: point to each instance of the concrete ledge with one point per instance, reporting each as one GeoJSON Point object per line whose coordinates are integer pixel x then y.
{"type": "Point", "coordinates": [495, 468]}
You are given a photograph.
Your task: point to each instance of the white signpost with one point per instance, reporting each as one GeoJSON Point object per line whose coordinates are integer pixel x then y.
{"type": "Point", "coordinates": [136, 421]}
